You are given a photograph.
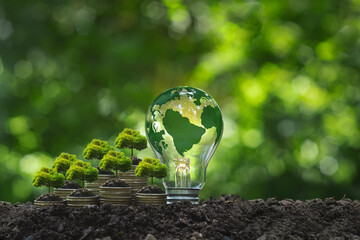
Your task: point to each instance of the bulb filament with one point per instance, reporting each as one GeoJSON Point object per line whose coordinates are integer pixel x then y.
{"type": "Point", "coordinates": [182, 172]}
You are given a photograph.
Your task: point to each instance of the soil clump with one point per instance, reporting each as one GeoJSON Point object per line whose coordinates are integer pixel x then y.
{"type": "Point", "coordinates": [151, 189]}
{"type": "Point", "coordinates": [225, 218]}
{"type": "Point", "coordinates": [115, 183]}
{"type": "Point", "coordinates": [82, 192]}
{"type": "Point", "coordinates": [49, 197]}
{"type": "Point", "coordinates": [103, 172]}
{"type": "Point", "coordinates": [136, 160]}
{"type": "Point", "coordinates": [71, 185]}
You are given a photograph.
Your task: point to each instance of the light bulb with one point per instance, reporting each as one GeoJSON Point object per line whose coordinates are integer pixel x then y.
{"type": "Point", "coordinates": [184, 126]}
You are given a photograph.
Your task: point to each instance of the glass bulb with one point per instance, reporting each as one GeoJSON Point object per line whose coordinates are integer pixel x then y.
{"type": "Point", "coordinates": [184, 126]}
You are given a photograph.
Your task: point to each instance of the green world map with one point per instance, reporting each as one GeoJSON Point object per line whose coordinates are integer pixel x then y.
{"type": "Point", "coordinates": [184, 133]}
{"type": "Point", "coordinates": [183, 141]}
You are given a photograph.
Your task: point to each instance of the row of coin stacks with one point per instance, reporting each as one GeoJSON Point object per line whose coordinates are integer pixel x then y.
{"type": "Point", "coordinates": [101, 184]}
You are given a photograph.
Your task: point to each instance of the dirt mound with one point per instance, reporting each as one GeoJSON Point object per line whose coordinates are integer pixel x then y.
{"type": "Point", "coordinates": [49, 197]}
{"type": "Point", "coordinates": [151, 189]}
{"type": "Point", "coordinates": [71, 185]}
{"type": "Point", "coordinates": [228, 217]}
{"type": "Point", "coordinates": [136, 160]}
{"type": "Point", "coordinates": [115, 183]}
{"type": "Point", "coordinates": [103, 172]}
{"type": "Point", "coordinates": [81, 192]}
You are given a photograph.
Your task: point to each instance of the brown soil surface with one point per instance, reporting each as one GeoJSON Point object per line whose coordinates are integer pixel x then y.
{"type": "Point", "coordinates": [136, 160]}
{"type": "Point", "coordinates": [49, 197]}
{"type": "Point", "coordinates": [81, 192]}
{"type": "Point", "coordinates": [151, 189]}
{"type": "Point", "coordinates": [71, 185]}
{"type": "Point", "coordinates": [104, 172]}
{"type": "Point", "coordinates": [228, 217]}
{"type": "Point", "coordinates": [115, 183]}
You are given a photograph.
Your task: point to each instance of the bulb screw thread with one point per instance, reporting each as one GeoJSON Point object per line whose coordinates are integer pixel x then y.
{"type": "Point", "coordinates": [182, 194]}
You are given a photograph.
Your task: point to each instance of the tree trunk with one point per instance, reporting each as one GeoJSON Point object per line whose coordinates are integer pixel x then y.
{"type": "Point", "coordinates": [83, 182]}
{"type": "Point", "coordinates": [132, 151]}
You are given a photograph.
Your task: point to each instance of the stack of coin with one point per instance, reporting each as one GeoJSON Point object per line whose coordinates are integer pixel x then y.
{"type": "Point", "coordinates": [63, 192]}
{"type": "Point", "coordinates": [48, 203]}
{"type": "Point", "coordinates": [150, 198]}
{"type": "Point", "coordinates": [73, 201]}
{"type": "Point", "coordinates": [94, 187]}
{"type": "Point", "coordinates": [136, 183]}
{"type": "Point", "coordinates": [115, 195]}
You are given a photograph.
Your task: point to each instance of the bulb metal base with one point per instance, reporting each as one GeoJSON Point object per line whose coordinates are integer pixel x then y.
{"type": "Point", "coordinates": [182, 194]}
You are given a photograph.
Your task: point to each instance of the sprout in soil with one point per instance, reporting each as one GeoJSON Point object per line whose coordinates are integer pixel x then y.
{"type": "Point", "coordinates": [97, 149]}
{"type": "Point", "coordinates": [151, 167]}
{"type": "Point", "coordinates": [115, 161]}
{"type": "Point", "coordinates": [82, 171]}
{"type": "Point", "coordinates": [131, 139]}
{"type": "Point", "coordinates": [63, 162]}
{"type": "Point", "coordinates": [49, 178]}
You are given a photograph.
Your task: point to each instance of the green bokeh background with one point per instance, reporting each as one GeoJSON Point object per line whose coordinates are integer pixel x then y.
{"type": "Point", "coordinates": [285, 74]}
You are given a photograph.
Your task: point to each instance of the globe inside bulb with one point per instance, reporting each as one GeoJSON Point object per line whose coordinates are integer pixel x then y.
{"type": "Point", "coordinates": [184, 126]}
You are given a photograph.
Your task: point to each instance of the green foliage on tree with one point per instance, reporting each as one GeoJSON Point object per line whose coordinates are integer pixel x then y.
{"type": "Point", "coordinates": [49, 178]}
{"type": "Point", "coordinates": [82, 171]}
{"type": "Point", "coordinates": [97, 149]}
{"type": "Point", "coordinates": [151, 167]}
{"type": "Point", "coordinates": [131, 139]}
{"type": "Point", "coordinates": [116, 161]}
{"type": "Point", "coordinates": [63, 162]}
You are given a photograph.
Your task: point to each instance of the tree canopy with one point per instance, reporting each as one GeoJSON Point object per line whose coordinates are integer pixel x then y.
{"type": "Point", "coordinates": [116, 161]}
{"type": "Point", "coordinates": [82, 171]}
{"type": "Point", "coordinates": [151, 167]}
{"type": "Point", "coordinates": [97, 149]}
{"type": "Point", "coordinates": [132, 139]}
{"type": "Point", "coordinates": [49, 178]}
{"type": "Point", "coordinates": [63, 162]}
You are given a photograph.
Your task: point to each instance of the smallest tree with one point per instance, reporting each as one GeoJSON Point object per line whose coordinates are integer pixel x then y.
{"type": "Point", "coordinates": [151, 167]}
{"type": "Point", "coordinates": [97, 149]}
{"type": "Point", "coordinates": [116, 161]}
{"type": "Point", "coordinates": [82, 171]}
{"type": "Point", "coordinates": [49, 178]}
{"type": "Point", "coordinates": [131, 139]}
{"type": "Point", "coordinates": [63, 162]}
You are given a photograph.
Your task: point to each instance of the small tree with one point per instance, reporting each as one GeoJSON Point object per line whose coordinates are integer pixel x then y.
{"type": "Point", "coordinates": [131, 139]}
{"type": "Point", "coordinates": [116, 161]}
{"type": "Point", "coordinates": [49, 178]}
{"type": "Point", "coordinates": [97, 149]}
{"type": "Point", "coordinates": [63, 162]}
{"type": "Point", "coordinates": [151, 167]}
{"type": "Point", "coordinates": [82, 171]}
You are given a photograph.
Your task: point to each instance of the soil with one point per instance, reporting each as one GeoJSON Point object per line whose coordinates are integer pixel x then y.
{"type": "Point", "coordinates": [103, 172]}
{"type": "Point", "coordinates": [49, 197]}
{"type": "Point", "coordinates": [228, 217]}
{"type": "Point", "coordinates": [115, 183]}
{"type": "Point", "coordinates": [136, 160]}
{"type": "Point", "coordinates": [81, 192]}
{"type": "Point", "coordinates": [151, 189]}
{"type": "Point", "coordinates": [71, 185]}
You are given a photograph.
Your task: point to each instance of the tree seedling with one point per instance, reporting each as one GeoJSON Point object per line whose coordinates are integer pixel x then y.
{"type": "Point", "coordinates": [82, 171]}
{"type": "Point", "coordinates": [131, 139]}
{"type": "Point", "coordinates": [116, 161]}
{"type": "Point", "coordinates": [97, 149]}
{"type": "Point", "coordinates": [151, 167]}
{"type": "Point", "coordinates": [49, 178]}
{"type": "Point", "coordinates": [63, 162]}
